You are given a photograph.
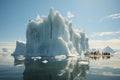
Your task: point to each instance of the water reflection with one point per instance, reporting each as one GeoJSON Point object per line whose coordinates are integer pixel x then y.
{"type": "Point", "coordinates": [18, 60]}
{"type": "Point", "coordinates": [97, 57]}
{"type": "Point", "coordinates": [106, 57]}
{"type": "Point", "coordinates": [51, 68]}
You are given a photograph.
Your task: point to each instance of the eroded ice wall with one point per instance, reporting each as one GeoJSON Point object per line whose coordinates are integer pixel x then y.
{"type": "Point", "coordinates": [54, 35]}
{"type": "Point", "coordinates": [20, 48]}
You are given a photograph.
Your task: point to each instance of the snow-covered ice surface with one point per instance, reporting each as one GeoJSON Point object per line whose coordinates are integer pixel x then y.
{"type": "Point", "coordinates": [52, 35]}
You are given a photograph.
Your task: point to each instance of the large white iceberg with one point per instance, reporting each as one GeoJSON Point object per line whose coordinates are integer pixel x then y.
{"type": "Point", "coordinates": [53, 35]}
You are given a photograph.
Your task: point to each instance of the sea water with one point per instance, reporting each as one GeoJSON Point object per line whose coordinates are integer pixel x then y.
{"type": "Point", "coordinates": [65, 68]}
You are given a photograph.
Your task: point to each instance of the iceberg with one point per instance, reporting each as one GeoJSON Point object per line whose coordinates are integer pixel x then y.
{"type": "Point", "coordinates": [5, 51]}
{"type": "Point", "coordinates": [20, 48]}
{"type": "Point", "coordinates": [51, 36]}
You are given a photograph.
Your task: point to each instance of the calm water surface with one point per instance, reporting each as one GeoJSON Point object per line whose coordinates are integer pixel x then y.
{"type": "Point", "coordinates": [51, 68]}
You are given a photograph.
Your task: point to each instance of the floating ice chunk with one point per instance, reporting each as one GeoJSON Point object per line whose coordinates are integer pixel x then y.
{"type": "Point", "coordinates": [38, 57]}
{"type": "Point", "coordinates": [84, 62]}
{"type": "Point", "coordinates": [60, 57]}
{"type": "Point", "coordinates": [34, 58]}
{"type": "Point", "coordinates": [21, 57]}
{"type": "Point", "coordinates": [44, 61]}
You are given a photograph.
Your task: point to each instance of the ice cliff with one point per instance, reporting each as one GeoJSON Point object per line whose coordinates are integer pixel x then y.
{"type": "Point", "coordinates": [52, 35]}
{"type": "Point", "coordinates": [20, 48]}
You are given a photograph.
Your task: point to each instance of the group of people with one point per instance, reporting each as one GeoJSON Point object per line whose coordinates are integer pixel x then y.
{"type": "Point", "coordinates": [98, 53]}
{"type": "Point", "coordinates": [105, 53]}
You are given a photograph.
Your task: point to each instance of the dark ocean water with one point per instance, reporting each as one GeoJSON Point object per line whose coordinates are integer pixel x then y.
{"type": "Point", "coordinates": [49, 68]}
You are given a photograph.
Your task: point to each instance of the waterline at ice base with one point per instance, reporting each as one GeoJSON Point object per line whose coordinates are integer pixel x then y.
{"type": "Point", "coordinates": [51, 36]}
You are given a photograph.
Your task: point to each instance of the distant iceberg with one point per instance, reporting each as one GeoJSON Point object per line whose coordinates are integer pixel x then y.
{"type": "Point", "coordinates": [108, 49]}
{"type": "Point", "coordinates": [52, 35]}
